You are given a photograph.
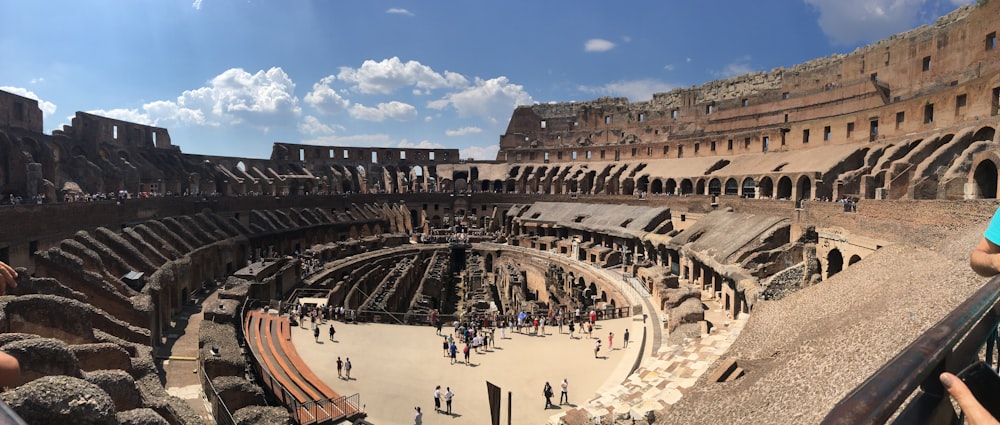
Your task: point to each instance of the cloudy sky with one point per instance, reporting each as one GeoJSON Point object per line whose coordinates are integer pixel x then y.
{"type": "Point", "coordinates": [231, 77]}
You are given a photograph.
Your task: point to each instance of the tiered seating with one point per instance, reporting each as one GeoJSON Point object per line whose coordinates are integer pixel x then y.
{"type": "Point", "coordinates": [287, 376]}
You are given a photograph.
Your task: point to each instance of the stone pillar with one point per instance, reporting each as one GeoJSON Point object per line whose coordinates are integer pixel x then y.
{"type": "Point", "coordinates": [34, 181]}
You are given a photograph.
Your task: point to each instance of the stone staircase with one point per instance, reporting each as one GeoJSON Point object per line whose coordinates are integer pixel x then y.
{"type": "Point", "coordinates": [658, 383]}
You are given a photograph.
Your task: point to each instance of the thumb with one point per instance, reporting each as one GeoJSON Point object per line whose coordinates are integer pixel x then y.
{"type": "Point", "coordinates": [974, 411]}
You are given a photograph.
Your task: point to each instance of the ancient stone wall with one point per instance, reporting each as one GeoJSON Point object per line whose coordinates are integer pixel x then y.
{"type": "Point", "coordinates": [20, 112]}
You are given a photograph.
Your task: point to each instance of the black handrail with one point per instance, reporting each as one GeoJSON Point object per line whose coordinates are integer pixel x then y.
{"type": "Point", "coordinates": [949, 345]}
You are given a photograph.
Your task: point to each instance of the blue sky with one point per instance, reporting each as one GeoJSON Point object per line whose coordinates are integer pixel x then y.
{"type": "Point", "coordinates": [229, 77]}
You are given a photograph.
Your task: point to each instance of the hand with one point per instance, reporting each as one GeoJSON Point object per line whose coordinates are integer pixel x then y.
{"type": "Point", "coordinates": [975, 413]}
{"type": "Point", "coordinates": [7, 278]}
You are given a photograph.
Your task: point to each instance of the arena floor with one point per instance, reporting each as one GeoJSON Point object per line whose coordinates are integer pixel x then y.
{"type": "Point", "coordinates": [396, 368]}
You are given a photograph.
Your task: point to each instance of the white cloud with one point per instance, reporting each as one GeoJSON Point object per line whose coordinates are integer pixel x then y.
{"type": "Point", "coordinates": [48, 108]}
{"type": "Point", "coordinates": [196, 5]}
{"type": "Point", "coordinates": [262, 100]}
{"type": "Point", "coordinates": [313, 126]}
{"type": "Point", "coordinates": [739, 66]}
{"type": "Point", "coordinates": [38, 80]}
{"type": "Point", "coordinates": [598, 45]}
{"type": "Point", "coordinates": [360, 140]}
{"type": "Point", "coordinates": [396, 110]}
{"type": "Point", "coordinates": [848, 22]}
{"type": "Point", "coordinates": [423, 144]}
{"type": "Point", "coordinates": [130, 115]}
{"type": "Point", "coordinates": [399, 11]}
{"type": "Point", "coordinates": [635, 91]}
{"type": "Point", "coordinates": [391, 74]}
{"type": "Point", "coordinates": [668, 67]}
{"type": "Point", "coordinates": [464, 131]}
{"type": "Point", "coordinates": [492, 99]}
{"type": "Point", "coordinates": [488, 153]}
{"type": "Point", "coordinates": [325, 99]}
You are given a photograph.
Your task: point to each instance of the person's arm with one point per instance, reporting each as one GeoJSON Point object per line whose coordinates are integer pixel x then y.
{"type": "Point", "coordinates": [985, 258]}
{"type": "Point", "coordinates": [7, 278]}
{"type": "Point", "coordinates": [10, 370]}
{"type": "Point", "coordinates": [975, 413]}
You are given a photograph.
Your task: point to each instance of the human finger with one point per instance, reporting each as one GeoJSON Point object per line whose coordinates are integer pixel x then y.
{"type": "Point", "coordinates": [975, 413]}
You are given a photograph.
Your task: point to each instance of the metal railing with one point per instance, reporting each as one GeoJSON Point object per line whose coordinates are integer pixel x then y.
{"type": "Point", "coordinates": [220, 412]}
{"type": "Point", "coordinates": [950, 345]}
{"type": "Point", "coordinates": [303, 412]}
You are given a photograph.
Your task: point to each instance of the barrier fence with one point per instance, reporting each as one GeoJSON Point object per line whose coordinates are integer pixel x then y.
{"type": "Point", "coordinates": [303, 412]}
{"type": "Point", "coordinates": [907, 389]}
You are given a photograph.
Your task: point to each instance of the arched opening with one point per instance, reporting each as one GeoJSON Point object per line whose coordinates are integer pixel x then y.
{"type": "Point", "coordinates": [656, 187]}
{"type": "Point", "coordinates": [715, 187]}
{"type": "Point", "coordinates": [732, 188]}
{"type": "Point", "coordinates": [671, 187]}
{"type": "Point", "coordinates": [854, 259]}
{"type": "Point", "coordinates": [699, 187]}
{"type": "Point", "coordinates": [497, 186]}
{"type": "Point", "coordinates": [643, 184]}
{"type": "Point", "coordinates": [804, 188]}
{"type": "Point", "coordinates": [834, 263]}
{"type": "Point", "coordinates": [686, 187]}
{"type": "Point", "coordinates": [749, 188]}
{"type": "Point", "coordinates": [784, 188]}
{"type": "Point", "coordinates": [986, 179]}
{"type": "Point", "coordinates": [511, 186]}
{"type": "Point", "coordinates": [766, 187]}
{"type": "Point", "coordinates": [628, 187]}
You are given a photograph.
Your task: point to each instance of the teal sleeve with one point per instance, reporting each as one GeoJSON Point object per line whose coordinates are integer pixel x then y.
{"type": "Point", "coordinates": [993, 230]}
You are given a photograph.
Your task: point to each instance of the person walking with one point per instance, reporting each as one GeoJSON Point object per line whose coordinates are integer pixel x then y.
{"type": "Point", "coordinates": [571, 330]}
{"type": "Point", "coordinates": [332, 331]}
{"type": "Point", "coordinates": [597, 347]}
{"type": "Point", "coordinates": [453, 349]}
{"type": "Point", "coordinates": [340, 367]}
{"type": "Point", "coordinates": [626, 338]}
{"type": "Point", "coordinates": [444, 345]}
{"type": "Point", "coordinates": [564, 394]}
{"type": "Point", "coordinates": [418, 419]}
{"type": "Point", "coordinates": [347, 367]}
{"type": "Point", "coordinates": [466, 352]}
{"type": "Point", "coordinates": [448, 395]}
{"type": "Point", "coordinates": [611, 338]}
{"type": "Point", "coordinates": [547, 391]}
{"type": "Point", "coordinates": [316, 333]}
{"type": "Point", "coordinates": [437, 399]}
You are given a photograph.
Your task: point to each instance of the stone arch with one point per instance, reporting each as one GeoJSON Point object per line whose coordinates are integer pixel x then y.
{"type": "Point", "coordinates": [699, 187]}
{"type": "Point", "coordinates": [643, 184]}
{"type": "Point", "coordinates": [715, 186]}
{"type": "Point", "coordinates": [985, 178]}
{"type": "Point", "coordinates": [587, 184]}
{"type": "Point", "coordinates": [732, 187]}
{"type": "Point", "coordinates": [784, 188]}
{"type": "Point", "coordinates": [511, 186]}
{"type": "Point", "coordinates": [656, 187]}
{"type": "Point", "coordinates": [765, 189]}
{"type": "Point", "coordinates": [804, 186]}
{"type": "Point", "coordinates": [686, 187]}
{"type": "Point", "coordinates": [834, 262]}
{"type": "Point", "coordinates": [628, 187]}
{"type": "Point", "coordinates": [748, 189]}
{"type": "Point", "coordinates": [417, 179]}
{"type": "Point", "coordinates": [854, 259]}
{"type": "Point", "coordinates": [670, 187]}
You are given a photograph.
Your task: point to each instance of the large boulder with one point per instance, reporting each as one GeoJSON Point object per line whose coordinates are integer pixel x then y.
{"type": "Point", "coordinates": [61, 400]}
